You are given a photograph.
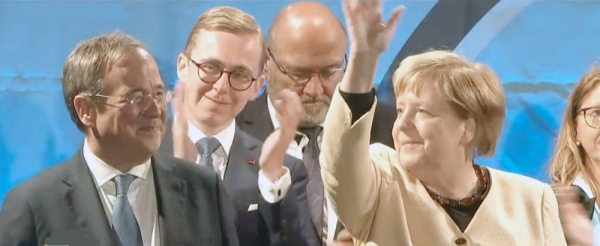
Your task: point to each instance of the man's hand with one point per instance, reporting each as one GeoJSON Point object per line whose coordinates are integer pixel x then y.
{"type": "Point", "coordinates": [289, 110]}
{"type": "Point", "coordinates": [576, 225]}
{"type": "Point", "coordinates": [182, 144]}
{"type": "Point", "coordinates": [343, 239]}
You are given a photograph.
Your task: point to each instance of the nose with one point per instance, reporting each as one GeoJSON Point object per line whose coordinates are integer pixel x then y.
{"type": "Point", "coordinates": [314, 86]}
{"type": "Point", "coordinates": [153, 108]}
{"type": "Point", "coordinates": [405, 120]}
{"type": "Point", "coordinates": [222, 85]}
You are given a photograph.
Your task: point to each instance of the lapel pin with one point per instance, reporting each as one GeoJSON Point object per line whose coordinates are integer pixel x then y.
{"type": "Point", "coordinates": [251, 161]}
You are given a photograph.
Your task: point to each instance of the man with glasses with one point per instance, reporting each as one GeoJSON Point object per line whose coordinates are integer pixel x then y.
{"type": "Point", "coordinates": [219, 72]}
{"type": "Point", "coordinates": [116, 190]}
{"type": "Point", "coordinates": [306, 53]}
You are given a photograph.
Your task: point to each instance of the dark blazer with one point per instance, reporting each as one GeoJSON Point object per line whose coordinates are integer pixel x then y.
{"type": "Point", "coordinates": [63, 201]}
{"type": "Point", "coordinates": [286, 222]}
{"type": "Point", "coordinates": [256, 121]}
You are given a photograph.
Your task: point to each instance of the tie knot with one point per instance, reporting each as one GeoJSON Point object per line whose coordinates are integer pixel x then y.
{"type": "Point", "coordinates": [311, 132]}
{"type": "Point", "coordinates": [123, 181]}
{"type": "Point", "coordinates": [207, 145]}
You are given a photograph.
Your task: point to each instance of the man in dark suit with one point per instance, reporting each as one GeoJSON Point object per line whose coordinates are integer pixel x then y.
{"type": "Point", "coordinates": [116, 190]}
{"type": "Point", "coordinates": [306, 53]}
{"type": "Point", "coordinates": [219, 71]}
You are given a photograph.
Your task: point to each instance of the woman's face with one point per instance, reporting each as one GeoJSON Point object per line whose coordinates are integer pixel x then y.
{"type": "Point", "coordinates": [427, 131]}
{"type": "Point", "coordinates": [589, 136]}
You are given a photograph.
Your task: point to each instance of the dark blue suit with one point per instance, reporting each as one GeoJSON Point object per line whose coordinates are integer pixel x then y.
{"type": "Point", "coordinates": [284, 223]}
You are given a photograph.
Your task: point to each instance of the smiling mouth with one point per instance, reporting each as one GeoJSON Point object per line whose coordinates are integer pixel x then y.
{"type": "Point", "coordinates": [217, 102]}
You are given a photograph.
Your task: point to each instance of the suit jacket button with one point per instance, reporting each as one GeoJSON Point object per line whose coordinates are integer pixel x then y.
{"type": "Point", "coordinates": [460, 241]}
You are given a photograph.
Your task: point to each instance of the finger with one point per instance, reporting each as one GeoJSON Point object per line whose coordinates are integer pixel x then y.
{"type": "Point", "coordinates": [397, 14]}
{"type": "Point", "coordinates": [344, 235]}
{"type": "Point", "coordinates": [177, 103]}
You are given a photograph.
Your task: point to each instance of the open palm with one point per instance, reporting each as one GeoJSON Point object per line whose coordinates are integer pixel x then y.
{"type": "Point", "coordinates": [367, 30]}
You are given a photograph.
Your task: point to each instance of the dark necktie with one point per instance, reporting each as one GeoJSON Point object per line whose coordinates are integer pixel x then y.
{"type": "Point", "coordinates": [124, 222]}
{"type": "Point", "coordinates": [206, 147]}
{"type": "Point", "coordinates": [314, 188]}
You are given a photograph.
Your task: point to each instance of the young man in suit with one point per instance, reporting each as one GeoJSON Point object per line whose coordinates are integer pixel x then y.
{"type": "Point", "coordinates": [312, 67]}
{"type": "Point", "coordinates": [116, 190]}
{"type": "Point", "coordinates": [219, 71]}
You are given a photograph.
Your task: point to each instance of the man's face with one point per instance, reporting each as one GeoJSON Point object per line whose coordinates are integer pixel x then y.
{"type": "Point", "coordinates": [312, 71]}
{"type": "Point", "coordinates": [132, 129]}
{"type": "Point", "coordinates": [221, 74]}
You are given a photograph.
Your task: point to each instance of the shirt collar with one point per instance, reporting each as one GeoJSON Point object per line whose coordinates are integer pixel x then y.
{"type": "Point", "coordinates": [579, 181]}
{"type": "Point", "coordinates": [103, 172]}
{"type": "Point", "coordinates": [225, 137]}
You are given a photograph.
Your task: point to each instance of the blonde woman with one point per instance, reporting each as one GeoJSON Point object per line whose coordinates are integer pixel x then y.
{"type": "Point", "coordinates": [428, 191]}
{"type": "Point", "coordinates": [575, 165]}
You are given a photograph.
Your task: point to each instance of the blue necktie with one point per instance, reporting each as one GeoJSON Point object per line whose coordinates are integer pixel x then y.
{"type": "Point", "coordinates": [206, 147]}
{"type": "Point", "coordinates": [123, 219]}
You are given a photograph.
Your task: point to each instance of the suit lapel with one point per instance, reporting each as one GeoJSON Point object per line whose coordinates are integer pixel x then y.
{"type": "Point", "coordinates": [242, 160]}
{"type": "Point", "coordinates": [171, 194]}
{"type": "Point", "coordinates": [84, 202]}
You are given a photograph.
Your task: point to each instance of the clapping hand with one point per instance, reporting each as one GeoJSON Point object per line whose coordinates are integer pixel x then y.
{"type": "Point", "coordinates": [289, 110]}
{"type": "Point", "coordinates": [182, 144]}
{"type": "Point", "coordinates": [576, 225]}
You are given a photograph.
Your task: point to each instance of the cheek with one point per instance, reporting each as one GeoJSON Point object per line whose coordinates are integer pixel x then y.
{"type": "Point", "coordinates": [195, 91]}
{"type": "Point", "coordinates": [395, 134]}
{"type": "Point", "coordinates": [329, 90]}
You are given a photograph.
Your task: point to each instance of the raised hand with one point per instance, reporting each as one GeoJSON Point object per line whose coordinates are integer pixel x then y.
{"type": "Point", "coordinates": [182, 144]}
{"type": "Point", "coordinates": [367, 29]}
{"type": "Point", "coordinates": [289, 109]}
{"type": "Point", "coordinates": [576, 225]}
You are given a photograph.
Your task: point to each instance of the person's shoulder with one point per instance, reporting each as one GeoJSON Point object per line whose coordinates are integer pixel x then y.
{"type": "Point", "coordinates": [517, 183]}
{"type": "Point", "coordinates": [42, 183]}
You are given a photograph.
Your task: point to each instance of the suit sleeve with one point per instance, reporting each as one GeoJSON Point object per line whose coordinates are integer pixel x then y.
{"type": "Point", "coordinates": [553, 232]}
{"type": "Point", "coordinates": [17, 226]}
{"type": "Point", "coordinates": [289, 220]}
{"type": "Point", "coordinates": [351, 179]}
{"type": "Point", "coordinates": [227, 214]}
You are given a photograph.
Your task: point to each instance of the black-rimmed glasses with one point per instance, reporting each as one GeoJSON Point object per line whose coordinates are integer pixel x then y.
{"type": "Point", "coordinates": [210, 73]}
{"type": "Point", "coordinates": [302, 78]}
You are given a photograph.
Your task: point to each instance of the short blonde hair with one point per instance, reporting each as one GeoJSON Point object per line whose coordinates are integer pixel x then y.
{"type": "Point", "coordinates": [227, 19]}
{"type": "Point", "coordinates": [89, 62]}
{"type": "Point", "coordinates": [472, 89]}
{"type": "Point", "coordinates": [568, 158]}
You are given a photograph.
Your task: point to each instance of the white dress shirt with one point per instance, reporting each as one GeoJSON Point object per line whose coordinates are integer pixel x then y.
{"type": "Point", "coordinates": [141, 193]}
{"type": "Point", "coordinates": [272, 192]}
{"type": "Point", "coordinates": [295, 149]}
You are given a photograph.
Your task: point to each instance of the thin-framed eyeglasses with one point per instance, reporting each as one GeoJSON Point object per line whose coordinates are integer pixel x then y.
{"type": "Point", "coordinates": [326, 75]}
{"type": "Point", "coordinates": [209, 72]}
{"type": "Point", "coordinates": [141, 102]}
{"type": "Point", "coordinates": [591, 115]}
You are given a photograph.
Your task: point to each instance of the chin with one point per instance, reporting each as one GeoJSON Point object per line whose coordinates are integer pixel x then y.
{"type": "Point", "coordinates": [409, 162]}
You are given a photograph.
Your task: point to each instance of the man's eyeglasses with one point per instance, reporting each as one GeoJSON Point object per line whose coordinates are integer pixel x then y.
{"type": "Point", "coordinates": [209, 72]}
{"type": "Point", "coordinates": [591, 116]}
{"type": "Point", "coordinates": [303, 77]}
{"type": "Point", "coordinates": [140, 102]}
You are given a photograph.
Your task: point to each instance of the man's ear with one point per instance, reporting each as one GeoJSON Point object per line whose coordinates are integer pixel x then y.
{"type": "Point", "coordinates": [182, 64]}
{"type": "Point", "coordinates": [258, 84]}
{"type": "Point", "coordinates": [85, 110]}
